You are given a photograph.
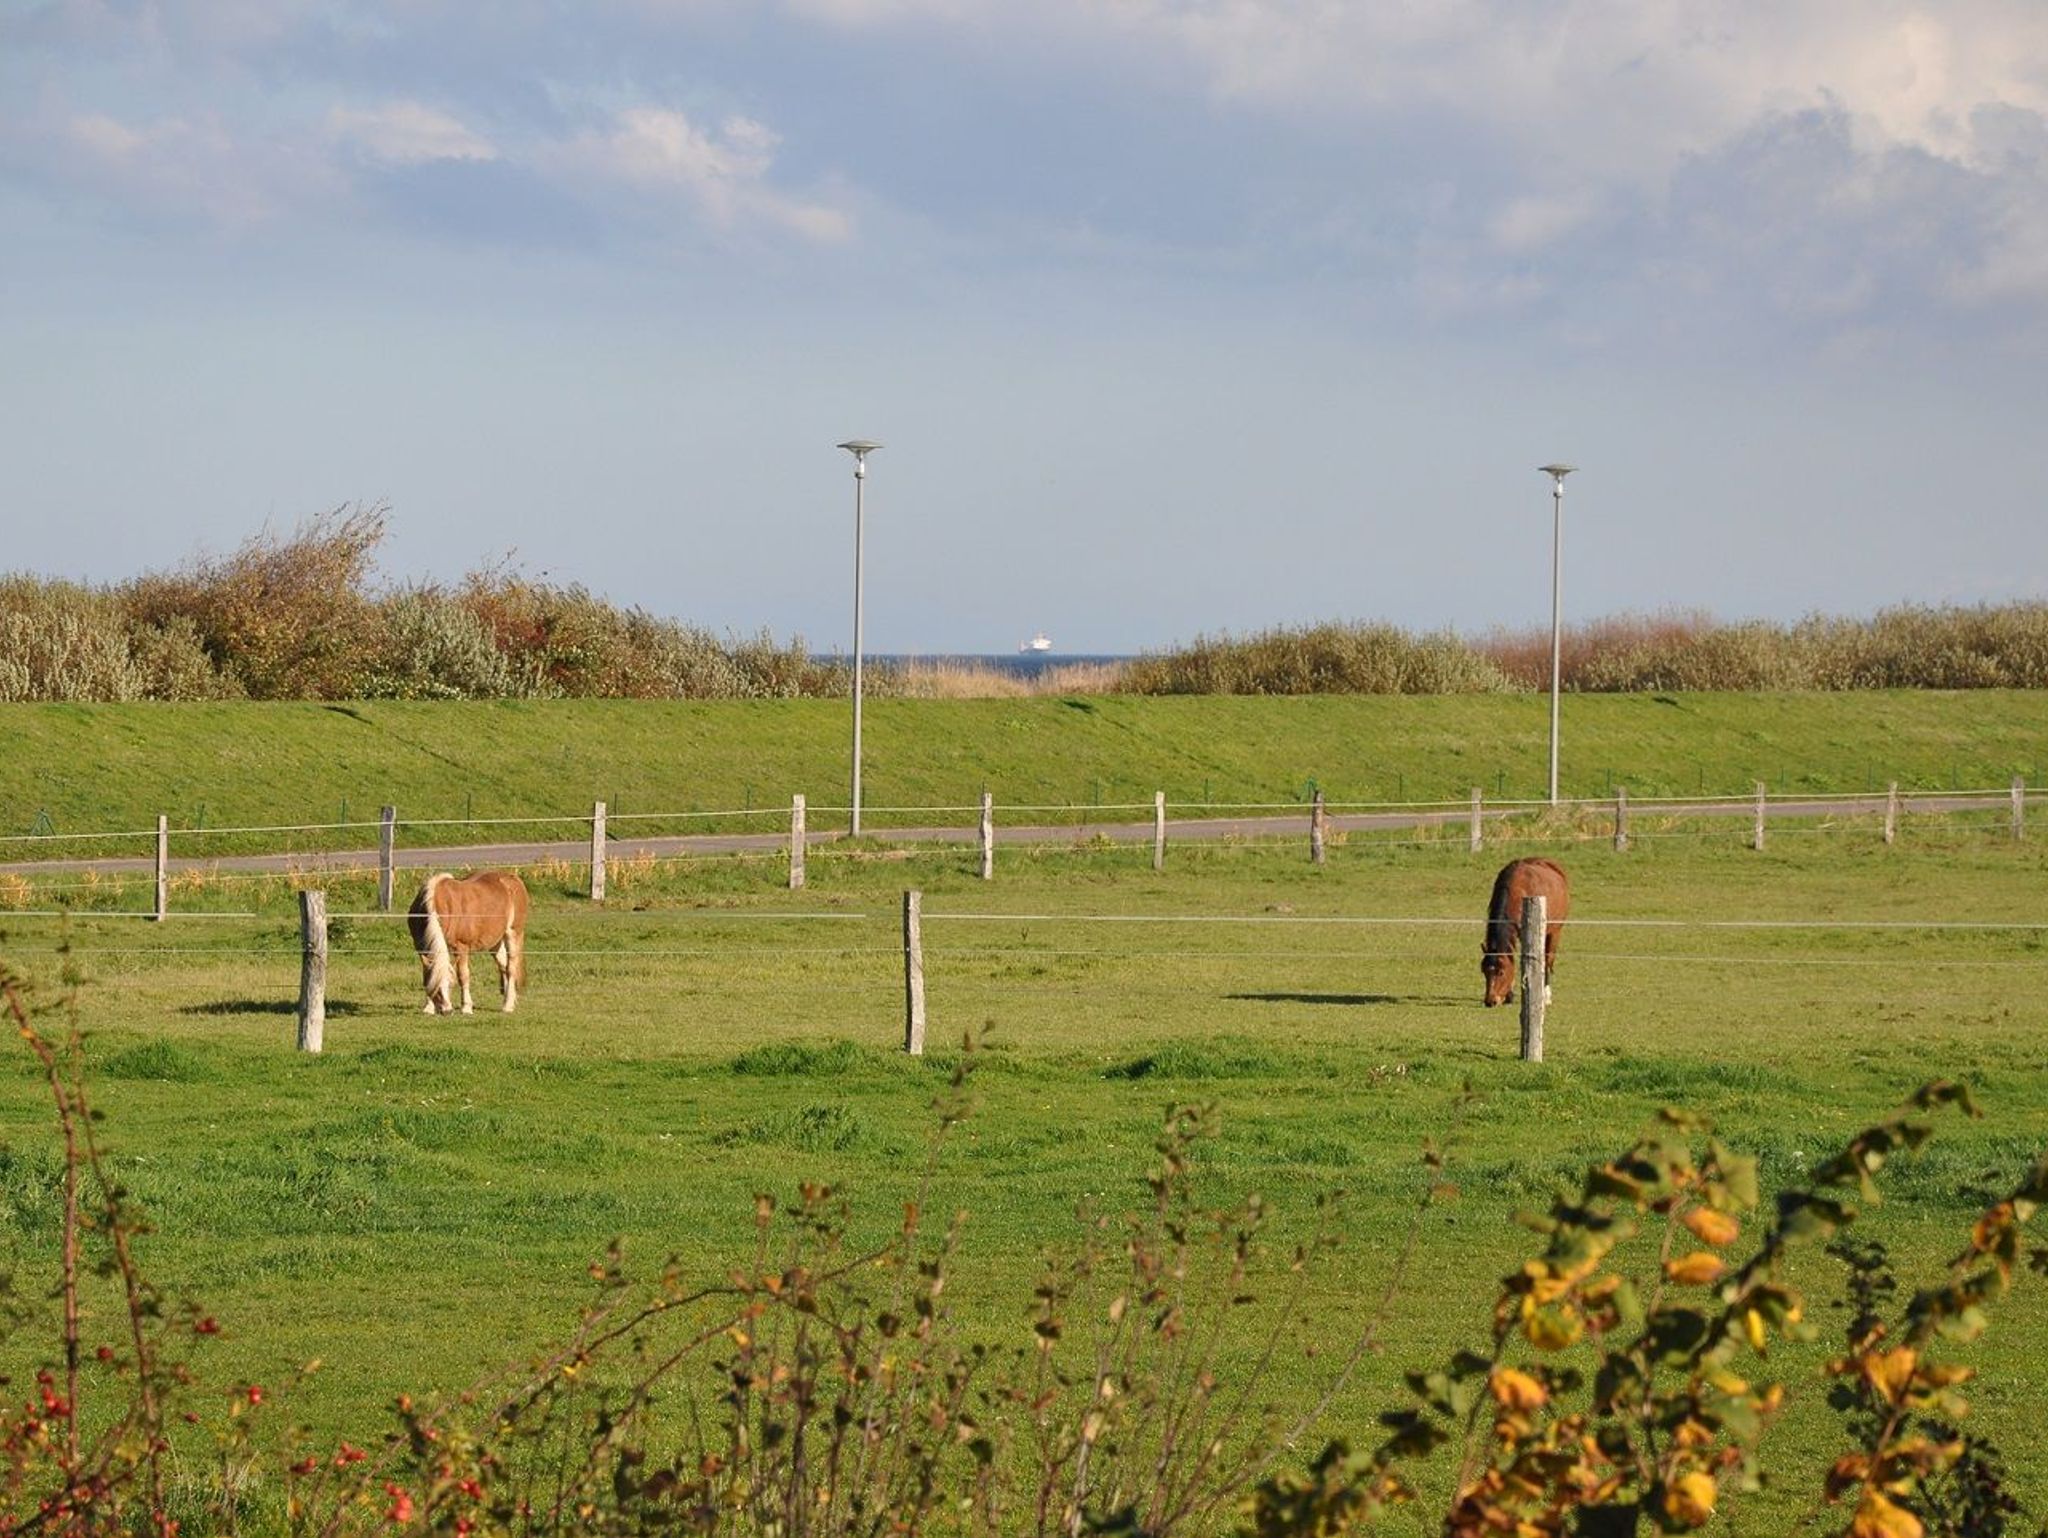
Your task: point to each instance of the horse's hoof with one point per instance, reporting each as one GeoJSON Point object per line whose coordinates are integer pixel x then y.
{"type": "Point", "coordinates": [429, 1009]}
{"type": "Point", "coordinates": [469, 1009]}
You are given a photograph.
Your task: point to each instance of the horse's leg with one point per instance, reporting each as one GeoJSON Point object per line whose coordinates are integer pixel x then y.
{"type": "Point", "coordinates": [506, 955]}
{"type": "Point", "coordinates": [462, 975]}
{"type": "Point", "coordinates": [1549, 962]}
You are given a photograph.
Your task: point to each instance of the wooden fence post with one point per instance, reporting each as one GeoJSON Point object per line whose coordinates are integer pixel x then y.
{"type": "Point", "coordinates": [1318, 830]}
{"type": "Point", "coordinates": [2019, 807]}
{"type": "Point", "coordinates": [1756, 837]}
{"type": "Point", "coordinates": [1891, 813]}
{"type": "Point", "coordinates": [312, 969]}
{"type": "Point", "coordinates": [988, 835]}
{"type": "Point", "coordinates": [1476, 828]}
{"type": "Point", "coordinates": [1620, 819]}
{"type": "Point", "coordinates": [598, 857]}
{"type": "Point", "coordinates": [387, 847]}
{"type": "Point", "coordinates": [913, 973]}
{"type": "Point", "coordinates": [1533, 921]}
{"type": "Point", "coordinates": [1159, 830]}
{"type": "Point", "coordinates": [163, 867]}
{"type": "Point", "coordinates": [796, 843]}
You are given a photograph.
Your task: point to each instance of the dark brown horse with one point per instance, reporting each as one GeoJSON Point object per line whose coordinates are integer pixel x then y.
{"type": "Point", "coordinates": [1517, 880]}
{"type": "Point", "coordinates": [451, 918]}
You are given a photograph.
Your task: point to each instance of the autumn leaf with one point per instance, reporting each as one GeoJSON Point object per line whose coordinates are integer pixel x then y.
{"type": "Point", "coordinates": [1689, 1499]}
{"type": "Point", "coordinates": [1891, 1372]}
{"type": "Point", "coordinates": [1517, 1390]}
{"type": "Point", "coordinates": [1696, 1269]}
{"type": "Point", "coordinates": [1711, 1227]}
{"type": "Point", "coordinates": [1879, 1517]}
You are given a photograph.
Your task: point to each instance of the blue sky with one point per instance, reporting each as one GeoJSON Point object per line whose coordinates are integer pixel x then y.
{"type": "Point", "coordinates": [1173, 315]}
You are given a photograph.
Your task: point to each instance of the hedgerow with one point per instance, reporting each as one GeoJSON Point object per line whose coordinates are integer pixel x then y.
{"type": "Point", "coordinates": [305, 616]}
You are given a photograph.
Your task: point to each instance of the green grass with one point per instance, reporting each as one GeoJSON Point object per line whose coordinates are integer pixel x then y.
{"type": "Point", "coordinates": [418, 1204]}
{"type": "Point", "coordinates": [87, 768]}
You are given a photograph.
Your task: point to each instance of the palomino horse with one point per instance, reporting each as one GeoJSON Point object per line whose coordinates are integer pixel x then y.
{"type": "Point", "coordinates": [1517, 880]}
{"type": "Point", "coordinates": [451, 918]}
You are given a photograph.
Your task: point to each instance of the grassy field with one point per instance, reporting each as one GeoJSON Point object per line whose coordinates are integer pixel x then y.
{"type": "Point", "coordinates": [88, 768]}
{"type": "Point", "coordinates": [419, 1203]}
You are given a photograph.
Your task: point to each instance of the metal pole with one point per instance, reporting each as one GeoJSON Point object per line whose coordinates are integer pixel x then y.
{"type": "Point", "coordinates": [860, 478]}
{"type": "Point", "coordinates": [859, 448]}
{"type": "Point", "coordinates": [1556, 618]}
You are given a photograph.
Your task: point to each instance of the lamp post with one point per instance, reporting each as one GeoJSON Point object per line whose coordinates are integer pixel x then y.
{"type": "Point", "coordinates": [859, 448]}
{"type": "Point", "coordinates": [1557, 473]}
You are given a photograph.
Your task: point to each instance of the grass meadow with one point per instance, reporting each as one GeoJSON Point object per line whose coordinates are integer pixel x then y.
{"type": "Point", "coordinates": [420, 1203]}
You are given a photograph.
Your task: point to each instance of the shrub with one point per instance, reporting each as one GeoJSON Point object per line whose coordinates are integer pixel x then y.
{"type": "Point", "coordinates": [60, 641]}
{"type": "Point", "coordinates": [434, 648]}
{"type": "Point", "coordinates": [287, 617]}
{"type": "Point", "coordinates": [1321, 659]}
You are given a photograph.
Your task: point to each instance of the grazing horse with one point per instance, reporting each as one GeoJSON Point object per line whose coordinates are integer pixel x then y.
{"type": "Point", "coordinates": [451, 918]}
{"type": "Point", "coordinates": [1519, 879]}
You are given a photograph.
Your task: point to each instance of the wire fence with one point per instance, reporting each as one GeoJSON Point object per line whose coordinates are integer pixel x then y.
{"type": "Point", "coordinates": [174, 876]}
{"type": "Point", "coordinates": [1070, 973]}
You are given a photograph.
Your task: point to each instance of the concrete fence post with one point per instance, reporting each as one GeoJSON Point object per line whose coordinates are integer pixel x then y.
{"type": "Point", "coordinates": [598, 857]}
{"type": "Point", "coordinates": [1756, 836]}
{"type": "Point", "coordinates": [796, 843]}
{"type": "Point", "coordinates": [1318, 830]}
{"type": "Point", "coordinates": [1891, 813]}
{"type": "Point", "coordinates": [312, 970]}
{"type": "Point", "coordinates": [387, 855]}
{"type": "Point", "coordinates": [1620, 819]}
{"type": "Point", "coordinates": [913, 973]}
{"type": "Point", "coordinates": [163, 867]}
{"type": "Point", "coordinates": [1534, 919]}
{"type": "Point", "coordinates": [2019, 808]}
{"type": "Point", "coordinates": [1159, 830]}
{"type": "Point", "coordinates": [1476, 828]}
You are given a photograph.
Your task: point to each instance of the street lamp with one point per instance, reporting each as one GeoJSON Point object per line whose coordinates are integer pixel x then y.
{"type": "Point", "coordinates": [859, 448]}
{"type": "Point", "coordinates": [1557, 473]}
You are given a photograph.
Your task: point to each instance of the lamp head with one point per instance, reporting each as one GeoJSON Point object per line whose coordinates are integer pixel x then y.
{"type": "Point", "coordinates": [1557, 473]}
{"type": "Point", "coordinates": [859, 448]}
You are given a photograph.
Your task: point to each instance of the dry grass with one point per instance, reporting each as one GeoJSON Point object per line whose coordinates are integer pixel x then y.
{"type": "Point", "coordinates": [973, 681]}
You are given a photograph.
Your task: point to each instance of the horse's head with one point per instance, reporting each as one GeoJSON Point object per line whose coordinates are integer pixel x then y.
{"type": "Point", "coordinates": [1498, 968]}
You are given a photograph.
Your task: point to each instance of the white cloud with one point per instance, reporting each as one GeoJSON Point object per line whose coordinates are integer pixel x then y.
{"type": "Point", "coordinates": [723, 171]}
{"type": "Point", "coordinates": [405, 133]}
{"type": "Point", "coordinates": [1625, 87]}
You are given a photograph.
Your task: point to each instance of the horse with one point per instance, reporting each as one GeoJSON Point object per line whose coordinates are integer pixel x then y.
{"type": "Point", "coordinates": [1519, 879]}
{"type": "Point", "coordinates": [450, 918]}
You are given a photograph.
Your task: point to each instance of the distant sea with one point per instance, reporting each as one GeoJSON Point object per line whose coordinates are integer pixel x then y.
{"type": "Point", "coordinates": [1017, 664]}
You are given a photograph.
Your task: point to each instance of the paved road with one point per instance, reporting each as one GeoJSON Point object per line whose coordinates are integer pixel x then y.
{"type": "Point", "coordinates": [1199, 829]}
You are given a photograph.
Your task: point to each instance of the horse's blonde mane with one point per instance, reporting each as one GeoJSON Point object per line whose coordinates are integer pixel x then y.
{"type": "Point", "coordinates": [440, 969]}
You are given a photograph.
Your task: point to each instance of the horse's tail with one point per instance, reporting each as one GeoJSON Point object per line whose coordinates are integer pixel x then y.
{"type": "Point", "coordinates": [431, 942]}
{"type": "Point", "coordinates": [1500, 918]}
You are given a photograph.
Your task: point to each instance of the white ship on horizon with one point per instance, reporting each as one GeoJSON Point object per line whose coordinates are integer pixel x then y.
{"type": "Point", "coordinates": [1040, 642]}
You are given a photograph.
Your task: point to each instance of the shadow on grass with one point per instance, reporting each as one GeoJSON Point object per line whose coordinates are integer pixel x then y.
{"type": "Point", "coordinates": [1351, 999]}
{"type": "Point", "coordinates": [265, 1007]}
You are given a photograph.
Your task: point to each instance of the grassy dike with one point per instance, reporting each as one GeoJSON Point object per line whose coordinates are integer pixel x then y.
{"type": "Point", "coordinates": [77, 768]}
